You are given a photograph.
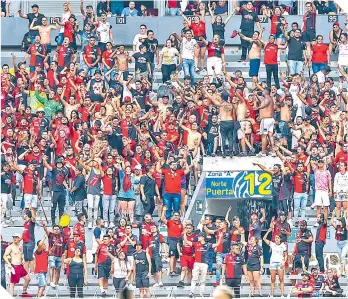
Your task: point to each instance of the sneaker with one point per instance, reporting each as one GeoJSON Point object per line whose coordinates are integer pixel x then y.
{"type": "Point", "coordinates": [104, 295]}
{"type": "Point", "coordinates": [106, 224]}
{"type": "Point", "coordinates": [197, 70]}
{"type": "Point", "coordinates": [217, 283]}
{"type": "Point", "coordinates": [252, 151]}
{"type": "Point", "coordinates": [243, 154]}
{"type": "Point", "coordinates": [261, 155]}
{"type": "Point", "coordinates": [90, 225]}
{"type": "Point", "coordinates": [180, 284]}
{"type": "Point", "coordinates": [273, 154]}
{"type": "Point", "coordinates": [191, 295]}
{"type": "Point", "coordinates": [234, 34]}
{"type": "Point", "coordinates": [297, 223]}
{"type": "Point", "coordinates": [316, 224]}
{"type": "Point", "coordinates": [172, 273]}
{"type": "Point", "coordinates": [160, 284]}
{"type": "Point", "coordinates": [213, 155]}
{"type": "Point", "coordinates": [313, 206]}
{"type": "Point", "coordinates": [224, 155]}
{"type": "Point", "coordinates": [156, 285]}
{"type": "Point", "coordinates": [52, 285]}
{"type": "Point", "coordinates": [26, 295]}
{"type": "Point", "coordinates": [3, 225]}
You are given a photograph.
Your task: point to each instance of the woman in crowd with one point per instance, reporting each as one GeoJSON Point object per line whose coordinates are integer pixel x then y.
{"type": "Point", "coordinates": [332, 286]}
{"type": "Point", "coordinates": [120, 271]}
{"type": "Point", "coordinates": [320, 55]}
{"type": "Point", "coordinates": [255, 265]}
{"type": "Point", "coordinates": [255, 225]}
{"type": "Point", "coordinates": [77, 277]}
{"type": "Point", "coordinates": [218, 25]}
{"type": "Point", "coordinates": [278, 258]}
{"type": "Point", "coordinates": [168, 60]}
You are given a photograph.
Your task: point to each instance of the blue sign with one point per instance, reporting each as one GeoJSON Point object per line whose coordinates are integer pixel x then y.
{"type": "Point", "coordinates": [244, 184]}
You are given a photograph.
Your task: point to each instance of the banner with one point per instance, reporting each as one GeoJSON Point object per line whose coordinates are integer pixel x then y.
{"type": "Point", "coordinates": [243, 184]}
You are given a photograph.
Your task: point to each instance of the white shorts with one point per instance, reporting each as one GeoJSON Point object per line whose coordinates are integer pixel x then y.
{"type": "Point", "coordinates": [321, 198]}
{"type": "Point", "coordinates": [240, 133]}
{"type": "Point", "coordinates": [215, 62]}
{"type": "Point", "coordinates": [30, 200]}
{"type": "Point", "coordinates": [5, 199]}
{"type": "Point", "coordinates": [19, 176]}
{"type": "Point", "coordinates": [267, 126]}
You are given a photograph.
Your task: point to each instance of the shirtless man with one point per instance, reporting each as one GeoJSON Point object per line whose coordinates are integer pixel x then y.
{"type": "Point", "coordinates": [266, 113]}
{"type": "Point", "coordinates": [285, 119]}
{"type": "Point", "coordinates": [69, 105]}
{"type": "Point", "coordinates": [163, 105]}
{"type": "Point", "coordinates": [227, 117]}
{"type": "Point", "coordinates": [13, 257]}
{"type": "Point", "coordinates": [122, 60]}
{"type": "Point", "coordinates": [45, 32]}
{"type": "Point", "coordinates": [254, 53]}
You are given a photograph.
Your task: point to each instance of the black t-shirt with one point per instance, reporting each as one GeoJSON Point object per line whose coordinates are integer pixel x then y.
{"type": "Point", "coordinates": [117, 86]}
{"type": "Point", "coordinates": [80, 192]}
{"type": "Point", "coordinates": [139, 96]}
{"type": "Point", "coordinates": [219, 29]}
{"type": "Point", "coordinates": [115, 139]}
{"type": "Point", "coordinates": [94, 92]}
{"type": "Point", "coordinates": [296, 48]}
{"type": "Point", "coordinates": [277, 180]}
{"type": "Point", "coordinates": [140, 62]}
{"type": "Point", "coordinates": [248, 20]}
{"type": "Point", "coordinates": [212, 132]}
{"type": "Point", "coordinates": [149, 186]}
{"type": "Point", "coordinates": [6, 182]}
{"type": "Point", "coordinates": [38, 22]}
{"type": "Point", "coordinates": [151, 48]}
{"type": "Point", "coordinates": [58, 177]}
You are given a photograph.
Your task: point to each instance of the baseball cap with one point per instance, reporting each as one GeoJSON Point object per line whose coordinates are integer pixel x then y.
{"type": "Point", "coordinates": [33, 161]}
{"type": "Point", "coordinates": [303, 222]}
{"type": "Point", "coordinates": [139, 243]}
{"type": "Point", "coordinates": [40, 110]}
{"type": "Point", "coordinates": [79, 168]}
{"type": "Point", "coordinates": [137, 167]}
{"type": "Point", "coordinates": [306, 274]}
{"type": "Point", "coordinates": [282, 213]}
{"type": "Point", "coordinates": [72, 16]}
{"type": "Point", "coordinates": [98, 71]}
{"type": "Point", "coordinates": [35, 5]}
{"type": "Point", "coordinates": [320, 161]}
{"type": "Point", "coordinates": [16, 235]}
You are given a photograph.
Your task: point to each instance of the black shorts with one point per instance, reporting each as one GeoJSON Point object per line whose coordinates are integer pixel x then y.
{"type": "Point", "coordinates": [253, 267]}
{"type": "Point", "coordinates": [308, 35]}
{"type": "Point", "coordinates": [233, 282]}
{"type": "Point", "coordinates": [104, 270]}
{"type": "Point", "coordinates": [141, 281]}
{"type": "Point", "coordinates": [126, 199]}
{"type": "Point", "coordinates": [298, 263]}
{"type": "Point", "coordinates": [28, 251]}
{"type": "Point", "coordinates": [173, 250]}
{"type": "Point", "coordinates": [156, 264]}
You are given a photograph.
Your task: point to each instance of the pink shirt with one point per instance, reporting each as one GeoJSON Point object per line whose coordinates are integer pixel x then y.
{"type": "Point", "coordinates": [322, 178]}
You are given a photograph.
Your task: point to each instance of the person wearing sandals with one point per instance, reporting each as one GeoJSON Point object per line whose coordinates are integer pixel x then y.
{"type": "Point", "coordinates": [120, 270]}
{"type": "Point", "coordinates": [77, 275]}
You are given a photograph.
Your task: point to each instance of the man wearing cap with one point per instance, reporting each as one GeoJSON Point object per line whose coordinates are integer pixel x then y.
{"type": "Point", "coordinates": [31, 16]}
{"type": "Point", "coordinates": [200, 267]}
{"type": "Point", "coordinates": [142, 270]}
{"type": "Point", "coordinates": [233, 268]}
{"type": "Point", "coordinates": [14, 254]}
{"type": "Point", "coordinates": [302, 250]}
{"type": "Point", "coordinates": [304, 288]}
{"type": "Point", "coordinates": [323, 187]}
{"type": "Point", "coordinates": [59, 186]}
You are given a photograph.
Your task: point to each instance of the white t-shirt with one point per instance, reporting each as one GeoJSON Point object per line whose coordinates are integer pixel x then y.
{"type": "Point", "coordinates": [188, 48]}
{"type": "Point", "coordinates": [321, 77]}
{"type": "Point", "coordinates": [277, 252]}
{"type": "Point", "coordinates": [169, 55]}
{"type": "Point", "coordinates": [136, 41]}
{"type": "Point", "coordinates": [65, 18]}
{"type": "Point", "coordinates": [104, 30]}
{"type": "Point", "coordinates": [343, 55]}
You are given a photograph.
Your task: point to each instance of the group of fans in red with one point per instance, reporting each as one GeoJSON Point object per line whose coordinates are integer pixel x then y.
{"type": "Point", "coordinates": [103, 139]}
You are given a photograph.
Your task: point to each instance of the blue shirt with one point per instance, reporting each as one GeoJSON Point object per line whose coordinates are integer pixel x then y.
{"type": "Point", "coordinates": [130, 193]}
{"type": "Point", "coordinates": [127, 13]}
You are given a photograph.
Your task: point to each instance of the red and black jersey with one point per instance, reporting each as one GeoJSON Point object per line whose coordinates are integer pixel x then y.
{"type": "Point", "coordinates": [28, 234]}
{"type": "Point", "coordinates": [91, 53]}
{"type": "Point", "coordinates": [225, 241]}
{"type": "Point", "coordinates": [71, 246]}
{"type": "Point", "coordinates": [154, 245]}
{"type": "Point", "coordinates": [66, 231]}
{"type": "Point", "coordinates": [237, 237]}
{"type": "Point", "coordinates": [36, 59]}
{"type": "Point", "coordinates": [102, 253]}
{"type": "Point", "coordinates": [303, 247]}
{"type": "Point", "coordinates": [278, 227]}
{"type": "Point", "coordinates": [80, 230]}
{"type": "Point", "coordinates": [304, 286]}
{"type": "Point", "coordinates": [128, 248]}
{"type": "Point", "coordinates": [202, 252]}
{"type": "Point", "coordinates": [108, 59]}
{"type": "Point", "coordinates": [185, 248]}
{"type": "Point", "coordinates": [341, 233]}
{"type": "Point", "coordinates": [215, 50]}
{"type": "Point", "coordinates": [175, 228]}
{"type": "Point", "coordinates": [300, 182]}
{"type": "Point", "coordinates": [64, 55]}
{"type": "Point", "coordinates": [145, 233]}
{"type": "Point", "coordinates": [55, 244]}
{"type": "Point", "coordinates": [321, 233]}
{"type": "Point", "coordinates": [121, 232]}
{"type": "Point", "coordinates": [31, 181]}
{"type": "Point", "coordinates": [234, 266]}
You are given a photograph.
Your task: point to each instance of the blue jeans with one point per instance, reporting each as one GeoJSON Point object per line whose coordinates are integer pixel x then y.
{"type": "Point", "coordinates": [210, 259]}
{"type": "Point", "coordinates": [172, 202]}
{"type": "Point", "coordinates": [189, 68]}
{"type": "Point", "coordinates": [116, 7]}
{"type": "Point", "coordinates": [60, 39]}
{"type": "Point", "coordinates": [220, 257]}
{"type": "Point", "coordinates": [295, 67]}
{"type": "Point", "coordinates": [312, 184]}
{"type": "Point", "coordinates": [319, 254]}
{"type": "Point", "coordinates": [300, 202]}
{"type": "Point", "coordinates": [318, 67]}
{"type": "Point", "coordinates": [173, 12]}
{"type": "Point", "coordinates": [342, 249]}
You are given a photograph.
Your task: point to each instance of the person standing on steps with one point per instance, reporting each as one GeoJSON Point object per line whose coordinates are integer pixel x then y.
{"type": "Point", "coordinates": [249, 19]}
{"type": "Point", "coordinates": [320, 240]}
{"type": "Point", "coordinates": [79, 227]}
{"type": "Point", "coordinates": [109, 196]}
{"type": "Point", "coordinates": [41, 265]}
{"type": "Point", "coordinates": [14, 254]}
{"type": "Point", "coordinates": [149, 190]}
{"type": "Point", "coordinates": [79, 191]}
{"type": "Point", "coordinates": [59, 186]}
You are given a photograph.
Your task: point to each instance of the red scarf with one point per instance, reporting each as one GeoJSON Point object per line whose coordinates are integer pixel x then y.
{"type": "Point", "coordinates": [127, 183]}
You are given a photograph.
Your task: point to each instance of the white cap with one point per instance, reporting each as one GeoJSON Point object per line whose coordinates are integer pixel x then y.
{"type": "Point", "coordinates": [138, 167]}
{"type": "Point", "coordinates": [16, 235]}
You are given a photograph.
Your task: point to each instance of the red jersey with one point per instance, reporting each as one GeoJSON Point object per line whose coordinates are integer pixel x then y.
{"type": "Point", "coordinates": [108, 59]}
{"type": "Point", "coordinates": [91, 53]}
{"type": "Point", "coordinates": [304, 286]}
{"type": "Point", "coordinates": [69, 31]}
{"type": "Point", "coordinates": [146, 233]}
{"type": "Point", "coordinates": [31, 181]}
{"type": "Point", "coordinates": [320, 53]}
{"type": "Point", "coordinates": [41, 262]}
{"type": "Point", "coordinates": [172, 180]}
{"type": "Point", "coordinates": [36, 59]}
{"type": "Point", "coordinates": [185, 248]}
{"type": "Point", "coordinates": [28, 234]}
{"type": "Point", "coordinates": [198, 29]}
{"type": "Point", "coordinates": [215, 50]}
{"type": "Point", "coordinates": [108, 183]}
{"type": "Point", "coordinates": [234, 266]}
{"type": "Point", "coordinates": [175, 229]}
{"type": "Point", "coordinates": [300, 182]}
{"type": "Point", "coordinates": [55, 244]}
{"type": "Point", "coordinates": [271, 54]}
{"type": "Point", "coordinates": [80, 230]}
{"type": "Point", "coordinates": [102, 253]}
{"type": "Point", "coordinates": [71, 246]}
{"type": "Point", "coordinates": [64, 55]}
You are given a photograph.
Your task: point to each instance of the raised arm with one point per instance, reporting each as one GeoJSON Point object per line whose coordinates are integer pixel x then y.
{"type": "Point", "coordinates": [265, 169]}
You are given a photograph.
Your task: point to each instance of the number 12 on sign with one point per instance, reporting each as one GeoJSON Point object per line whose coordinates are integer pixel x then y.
{"type": "Point", "coordinates": [260, 187]}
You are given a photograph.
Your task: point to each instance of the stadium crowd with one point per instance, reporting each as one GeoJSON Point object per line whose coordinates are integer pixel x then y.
{"type": "Point", "coordinates": [75, 119]}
